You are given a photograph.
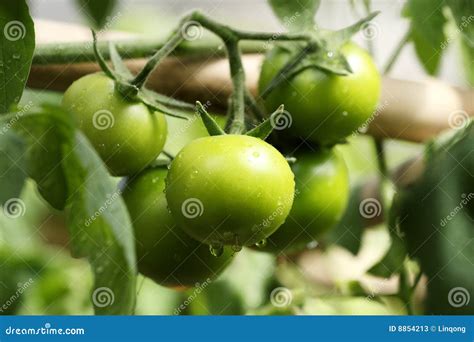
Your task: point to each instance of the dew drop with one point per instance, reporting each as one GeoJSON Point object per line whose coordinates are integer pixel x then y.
{"type": "Point", "coordinates": [345, 113]}
{"type": "Point", "coordinates": [330, 54]}
{"type": "Point", "coordinates": [261, 244]}
{"type": "Point", "coordinates": [256, 154]}
{"type": "Point", "coordinates": [312, 245]}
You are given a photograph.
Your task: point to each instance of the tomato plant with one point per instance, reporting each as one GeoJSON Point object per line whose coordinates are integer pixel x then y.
{"type": "Point", "coordinates": [322, 189]}
{"type": "Point", "coordinates": [126, 134]}
{"type": "Point", "coordinates": [230, 189]}
{"type": "Point", "coordinates": [324, 108]}
{"type": "Point", "coordinates": [164, 252]}
{"type": "Point", "coordinates": [268, 175]}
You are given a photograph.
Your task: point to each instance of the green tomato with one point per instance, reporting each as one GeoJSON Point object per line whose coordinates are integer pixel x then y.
{"type": "Point", "coordinates": [165, 253]}
{"type": "Point", "coordinates": [324, 108]}
{"type": "Point", "coordinates": [127, 135]}
{"type": "Point", "coordinates": [230, 190]}
{"type": "Point", "coordinates": [321, 195]}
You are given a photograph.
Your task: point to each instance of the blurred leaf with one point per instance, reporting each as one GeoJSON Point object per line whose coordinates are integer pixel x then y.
{"type": "Point", "coordinates": [12, 164]}
{"type": "Point", "coordinates": [393, 260]}
{"type": "Point", "coordinates": [437, 217]}
{"type": "Point", "coordinates": [295, 15]}
{"type": "Point", "coordinates": [17, 43]}
{"type": "Point", "coordinates": [218, 298]}
{"type": "Point", "coordinates": [100, 228]}
{"type": "Point", "coordinates": [467, 51]}
{"type": "Point", "coordinates": [348, 232]}
{"type": "Point", "coordinates": [18, 272]}
{"type": "Point", "coordinates": [463, 13]}
{"type": "Point", "coordinates": [97, 12]}
{"type": "Point", "coordinates": [44, 132]}
{"type": "Point", "coordinates": [427, 31]}
{"type": "Point", "coordinates": [339, 37]}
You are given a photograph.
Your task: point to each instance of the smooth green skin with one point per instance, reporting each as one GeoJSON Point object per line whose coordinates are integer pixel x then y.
{"type": "Point", "coordinates": [325, 108]}
{"type": "Point", "coordinates": [165, 253]}
{"type": "Point", "coordinates": [137, 135]}
{"type": "Point", "coordinates": [245, 186]}
{"type": "Point", "coordinates": [322, 191]}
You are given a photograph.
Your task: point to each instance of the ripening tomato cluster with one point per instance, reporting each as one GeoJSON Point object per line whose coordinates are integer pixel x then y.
{"type": "Point", "coordinates": [222, 193]}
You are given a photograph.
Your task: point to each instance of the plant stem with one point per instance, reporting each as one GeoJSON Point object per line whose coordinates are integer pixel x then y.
{"type": "Point", "coordinates": [170, 46]}
{"type": "Point", "coordinates": [396, 53]}
{"type": "Point", "coordinates": [63, 53]}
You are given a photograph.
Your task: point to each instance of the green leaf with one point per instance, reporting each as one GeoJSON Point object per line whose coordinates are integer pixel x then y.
{"type": "Point", "coordinates": [427, 31]}
{"type": "Point", "coordinates": [264, 129]}
{"type": "Point", "coordinates": [394, 258]}
{"type": "Point", "coordinates": [467, 52]}
{"type": "Point", "coordinates": [97, 12]}
{"type": "Point", "coordinates": [437, 218]}
{"type": "Point", "coordinates": [100, 228]}
{"type": "Point", "coordinates": [295, 15]}
{"type": "Point", "coordinates": [17, 43]}
{"type": "Point", "coordinates": [212, 126]}
{"type": "Point", "coordinates": [348, 232]}
{"type": "Point", "coordinates": [43, 132]}
{"type": "Point", "coordinates": [12, 164]}
{"type": "Point", "coordinates": [463, 13]}
{"type": "Point", "coordinates": [337, 38]}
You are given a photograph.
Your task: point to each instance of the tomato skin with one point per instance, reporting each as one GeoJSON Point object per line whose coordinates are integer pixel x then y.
{"type": "Point", "coordinates": [321, 195]}
{"type": "Point", "coordinates": [324, 108]}
{"type": "Point", "coordinates": [241, 186]}
{"type": "Point", "coordinates": [127, 135]}
{"type": "Point", "coordinates": [165, 253]}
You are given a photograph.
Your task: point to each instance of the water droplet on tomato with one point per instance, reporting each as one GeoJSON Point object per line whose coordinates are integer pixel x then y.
{"type": "Point", "coordinates": [261, 244]}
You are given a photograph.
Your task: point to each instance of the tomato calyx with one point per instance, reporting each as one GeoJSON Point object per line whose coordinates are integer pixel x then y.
{"type": "Point", "coordinates": [321, 52]}
{"type": "Point", "coordinates": [128, 89]}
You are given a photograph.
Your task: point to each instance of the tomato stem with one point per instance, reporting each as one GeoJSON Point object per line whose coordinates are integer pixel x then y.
{"type": "Point", "coordinates": [231, 39]}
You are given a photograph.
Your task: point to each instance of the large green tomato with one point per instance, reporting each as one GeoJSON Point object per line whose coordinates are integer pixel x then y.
{"type": "Point", "coordinates": [165, 253]}
{"type": "Point", "coordinates": [230, 190]}
{"type": "Point", "coordinates": [127, 135]}
{"type": "Point", "coordinates": [321, 195]}
{"type": "Point", "coordinates": [324, 108]}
